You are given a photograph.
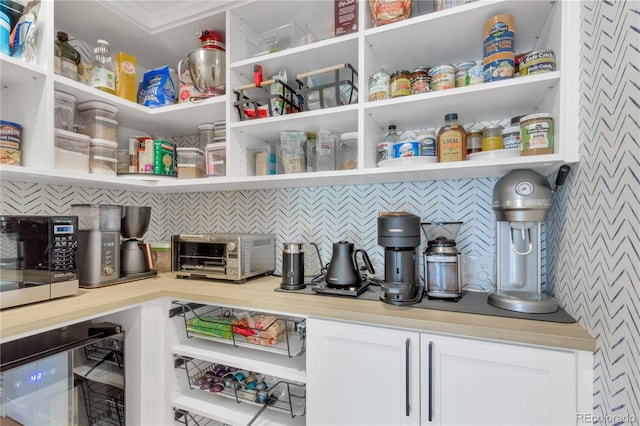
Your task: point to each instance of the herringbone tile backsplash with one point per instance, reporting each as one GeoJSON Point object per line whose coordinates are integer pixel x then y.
{"type": "Point", "coordinates": [592, 235]}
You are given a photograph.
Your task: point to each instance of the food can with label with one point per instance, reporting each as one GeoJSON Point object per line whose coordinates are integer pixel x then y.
{"type": "Point", "coordinates": [420, 81]}
{"type": "Point", "coordinates": [404, 149]}
{"type": "Point", "coordinates": [461, 72]}
{"type": "Point", "coordinates": [536, 134]}
{"type": "Point", "coordinates": [474, 75]}
{"type": "Point", "coordinates": [10, 139]}
{"type": "Point", "coordinates": [499, 48]}
{"type": "Point", "coordinates": [537, 62]}
{"type": "Point", "coordinates": [385, 151]}
{"type": "Point", "coordinates": [427, 139]}
{"type": "Point", "coordinates": [379, 86]}
{"type": "Point", "coordinates": [492, 137]}
{"type": "Point", "coordinates": [443, 77]}
{"type": "Point", "coordinates": [400, 83]}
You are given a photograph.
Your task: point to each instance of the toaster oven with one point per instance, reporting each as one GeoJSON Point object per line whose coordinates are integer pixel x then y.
{"type": "Point", "coordinates": [233, 257]}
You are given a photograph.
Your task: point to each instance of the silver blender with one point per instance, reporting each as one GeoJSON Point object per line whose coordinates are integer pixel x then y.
{"type": "Point", "coordinates": [521, 201]}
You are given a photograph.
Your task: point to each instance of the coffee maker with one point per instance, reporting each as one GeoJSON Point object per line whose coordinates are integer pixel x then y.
{"type": "Point", "coordinates": [98, 253]}
{"type": "Point", "coordinates": [399, 234]}
{"type": "Point", "coordinates": [102, 258]}
{"type": "Point", "coordinates": [521, 201]}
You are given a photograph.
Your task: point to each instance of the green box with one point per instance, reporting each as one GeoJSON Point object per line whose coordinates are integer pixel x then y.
{"type": "Point", "coordinates": [164, 158]}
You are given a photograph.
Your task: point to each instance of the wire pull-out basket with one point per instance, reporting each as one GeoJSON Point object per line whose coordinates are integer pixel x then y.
{"type": "Point", "coordinates": [328, 87]}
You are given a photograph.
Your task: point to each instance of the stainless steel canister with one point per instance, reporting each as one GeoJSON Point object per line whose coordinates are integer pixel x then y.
{"type": "Point", "coordinates": [292, 266]}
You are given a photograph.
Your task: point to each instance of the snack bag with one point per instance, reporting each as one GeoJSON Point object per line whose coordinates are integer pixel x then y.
{"type": "Point", "coordinates": [156, 88]}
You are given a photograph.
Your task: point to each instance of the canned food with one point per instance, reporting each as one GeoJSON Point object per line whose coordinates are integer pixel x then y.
{"type": "Point", "coordinates": [420, 81]}
{"type": "Point", "coordinates": [10, 139]}
{"type": "Point", "coordinates": [404, 149]}
{"type": "Point", "coordinates": [474, 141]}
{"type": "Point", "coordinates": [536, 134]}
{"type": "Point", "coordinates": [461, 72]}
{"type": "Point", "coordinates": [385, 151]}
{"type": "Point", "coordinates": [379, 86]}
{"type": "Point", "coordinates": [442, 77]}
{"type": "Point", "coordinates": [492, 137]}
{"type": "Point", "coordinates": [474, 75]}
{"type": "Point", "coordinates": [499, 48]}
{"type": "Point", "coordinates": [400, 83]}
{"type": "Point", "coordinates": [537, 62]}
{"type": "Point", "coordinates": [427, 139]}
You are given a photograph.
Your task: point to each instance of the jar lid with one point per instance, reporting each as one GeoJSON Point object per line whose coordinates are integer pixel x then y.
{"type": "Point", "coordinates": [349, 135]}
{"type": "Point", "coordinates": [63, 95]}
{"type": "Point", "coordinates": [515, 121]}
{"type": "Point", "coordinates": [399, 72]}
{"type": "Point", "coordinates": [71, 135]}
{"type": "Point", "coordinates": [186, 149]}
{"type": "Point", "coordinates": [216, 145]}
{"type": "Point", "coordinates": [511, 129]}
{"type": "Point", "coordinates": [492, 127]}
{"type": "Point", "coordinates": [96, 104]}
{"type": "Point", "coordinates": [206, 126]}
{"type": "Point", "coordinates": [104, 142]}
{"type": "Point", "coordinates": [535, 116]}
{"type": "Point", "coordinates": [474, 131]}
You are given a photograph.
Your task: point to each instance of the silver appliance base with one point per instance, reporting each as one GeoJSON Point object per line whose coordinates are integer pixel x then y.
{"type": "Point", "coordinates": [527, 303]}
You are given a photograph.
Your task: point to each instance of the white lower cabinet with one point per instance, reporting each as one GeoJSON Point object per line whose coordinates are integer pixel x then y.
{"type": "Point", "coordinates": [361, 375]}
{"type": "Point", "coordinates": [369, 375]}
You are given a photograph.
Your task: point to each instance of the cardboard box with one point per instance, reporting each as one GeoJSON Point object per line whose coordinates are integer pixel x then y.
{"type": "Point", "coordinates": [156, 157]}
{"type": "Point", "coordinates": [346, 16]}
{"type": "Point", "coordinates": [126, 78]}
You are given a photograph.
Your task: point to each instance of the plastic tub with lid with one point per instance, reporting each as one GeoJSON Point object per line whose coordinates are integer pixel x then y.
{"type": "Point", "coordinates": [190, 163]}
{"type": "Point", "coordinates": [98, 120]}
{"type": "Point", "coordinates": [347, 156]}
{"type": "Point", "coordinates": [64, 110]}
{"type": "Point", "coordinates": [71, 151]}
{"type": "Point", "coordinates": [103, 157]}
{"type": "Point", "coordinates": [216, 154]}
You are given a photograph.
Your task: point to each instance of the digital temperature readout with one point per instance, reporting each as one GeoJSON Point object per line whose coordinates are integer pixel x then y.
{"type": "Point", "coordinates": [37, 376]}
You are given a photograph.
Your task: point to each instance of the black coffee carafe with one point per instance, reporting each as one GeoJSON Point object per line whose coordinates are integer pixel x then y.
{"type": "Point", "coordinates": [343, 268]}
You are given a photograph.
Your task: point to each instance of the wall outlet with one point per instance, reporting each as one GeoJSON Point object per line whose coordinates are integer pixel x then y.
{"type": "Point", "coordinates": [478, 271]}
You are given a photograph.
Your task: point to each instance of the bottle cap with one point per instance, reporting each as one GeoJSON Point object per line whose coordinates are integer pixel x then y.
{"type": "Point", "coordinates": [103, 42]}
{"type": "Point", "coordinates": [451, 116]}
{"type": "Point", "coordinates": [392, 127]}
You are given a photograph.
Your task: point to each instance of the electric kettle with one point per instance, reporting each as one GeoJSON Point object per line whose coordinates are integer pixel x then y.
{"type": "Point", "coordinates": [343, 268]}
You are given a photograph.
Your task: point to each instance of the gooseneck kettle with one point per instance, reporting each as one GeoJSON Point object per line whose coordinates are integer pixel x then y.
{"type": "Point", "coordinates": [343, 268]}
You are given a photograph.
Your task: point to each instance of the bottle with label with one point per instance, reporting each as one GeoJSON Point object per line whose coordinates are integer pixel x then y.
{"type": "Point", "coordinates": [69, 57]}
{"type": "Point", "coordinates": [452, 140]}
{"type": "Point", "coordinates": [103, 74]}
{"type": "Point", "coordinates": [385, 148]}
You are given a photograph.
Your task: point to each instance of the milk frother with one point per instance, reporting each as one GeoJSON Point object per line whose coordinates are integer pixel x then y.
{"type": "Point", "coordinates": [292, 266]}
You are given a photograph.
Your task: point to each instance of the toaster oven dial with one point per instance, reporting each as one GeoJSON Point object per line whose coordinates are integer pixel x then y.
{"type": "Point", "coordinates": [231, 246]}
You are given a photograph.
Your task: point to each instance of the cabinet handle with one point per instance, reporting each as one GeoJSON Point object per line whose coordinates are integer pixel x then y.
{"type": "Point", "coordinates": [430, 385]}
{"type": "Point", "coordinates": [407, 406]}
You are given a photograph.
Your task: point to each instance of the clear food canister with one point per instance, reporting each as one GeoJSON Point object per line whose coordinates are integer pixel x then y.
{"type": "Point", "coordinates": [347, 157]}
{"type": "Point", "coordinates": [206, 134]}
{"type": "Point", "coordinates": [215, 159]}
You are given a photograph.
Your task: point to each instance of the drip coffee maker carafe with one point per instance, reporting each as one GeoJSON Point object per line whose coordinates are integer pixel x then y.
{"type": "Point", "coordinates": [442, 273]}
{"type": "Point", "coordinates": [399, 234]}
{"type": "Point", "coordinates": [521, 201]}
{"type": "Point", "coordinates": [135, 254]}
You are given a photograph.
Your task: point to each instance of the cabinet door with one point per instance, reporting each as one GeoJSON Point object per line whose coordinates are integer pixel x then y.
{"type": "Point", "coordinates": [477, 382]}
{"type": "Point", "coordinates": [361, 375]}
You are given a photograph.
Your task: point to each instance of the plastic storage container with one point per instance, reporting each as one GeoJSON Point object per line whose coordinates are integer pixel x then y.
{"type": "Point", "coordinates": [216, 159]}
{"type": "Point", "coordinates": [71, 151]}
{"type": "Point", "coordinates": [98, 120]}
{"type": "Point", "coordinates": [347, 156]}
{"type": "Point", "coordinates": [103, 157]}
{"type": "Point", "coordinates": [284, 37]}
{"type": "Point", "coordinates": [190, 163]}
{"type": "Point", "coordinates": [161, 256]}
{"type": "Point", "coordinates": [64, 111]}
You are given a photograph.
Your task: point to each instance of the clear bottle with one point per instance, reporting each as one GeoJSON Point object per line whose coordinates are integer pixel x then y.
{"type": "Point", "coordinates": [103, 75]}
{"type": "Point", "coordinates": [452, 140]}
{"type": "Point", "coordinates": [69, 57]}
{"type": "Point", "coordinates": [385, 148]}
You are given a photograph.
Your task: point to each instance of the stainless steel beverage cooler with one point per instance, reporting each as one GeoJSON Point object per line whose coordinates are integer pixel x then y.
{"type": "Point", "coordinates": [68, 376]}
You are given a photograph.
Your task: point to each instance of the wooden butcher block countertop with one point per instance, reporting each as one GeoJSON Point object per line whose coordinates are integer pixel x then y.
{"type": "Point", "coordinates": [259, 294]}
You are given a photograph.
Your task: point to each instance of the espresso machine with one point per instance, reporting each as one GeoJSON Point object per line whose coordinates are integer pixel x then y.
{"type": "Point", "coordinates": [521, 201]}
{"type": "Point", "coordinates": [399, 234]}
{"type": "Point", "coordinates": [442, 266]}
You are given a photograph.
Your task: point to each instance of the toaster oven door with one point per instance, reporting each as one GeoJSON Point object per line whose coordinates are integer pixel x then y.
{"type": "Point", "coordinates": [203, 257]}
